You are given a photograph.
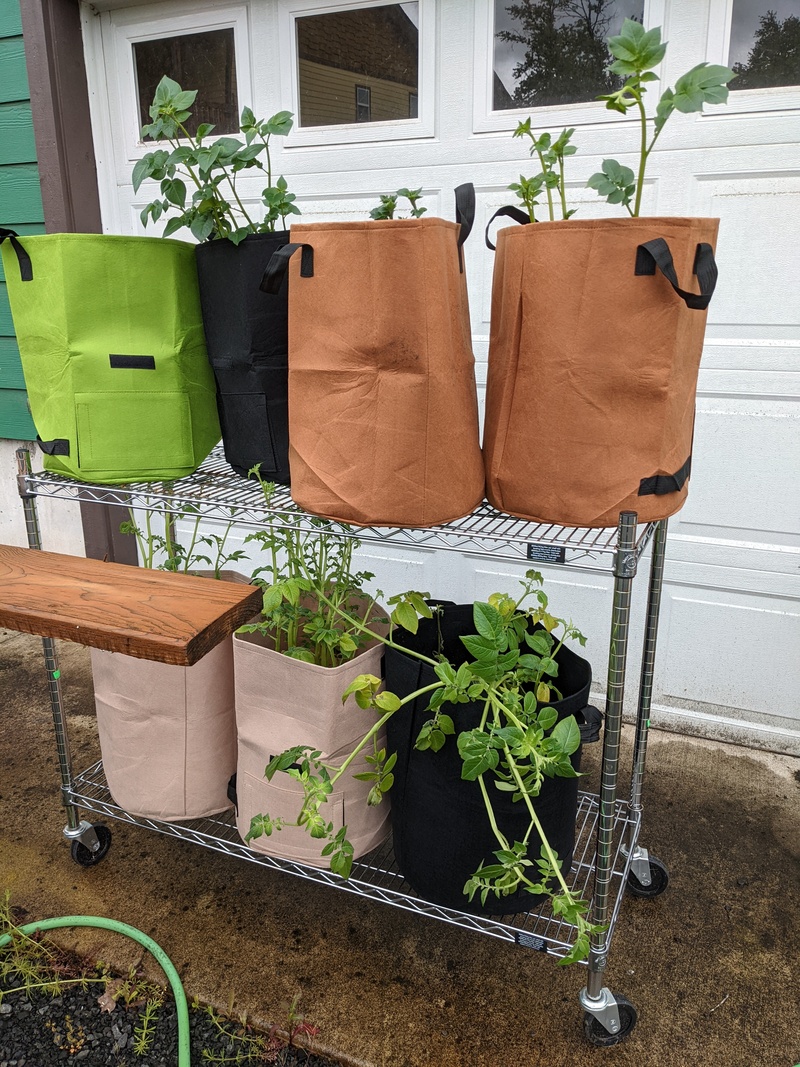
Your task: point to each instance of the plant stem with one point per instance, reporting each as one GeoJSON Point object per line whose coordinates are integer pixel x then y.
{"type": "Point", "coordinates": [545, 173]}
{"type": "Point", "coordinates": [561, 189]}
{"type": "Point", "coordinates": [643, 153]}
{"type": "Point", "coordinates": [373, 732]}
{"type": "Point", "coordinates": [512, 766]}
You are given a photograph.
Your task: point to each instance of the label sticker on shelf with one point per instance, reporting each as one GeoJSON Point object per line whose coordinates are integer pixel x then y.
{"type": "Point", "coordinates": [529, 941]}
{"type": "Point", "coordinates": [547, 553]}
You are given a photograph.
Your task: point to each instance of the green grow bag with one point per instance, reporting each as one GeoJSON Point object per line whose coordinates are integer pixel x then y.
{"type": "Point", "coordinates": [111, 339]}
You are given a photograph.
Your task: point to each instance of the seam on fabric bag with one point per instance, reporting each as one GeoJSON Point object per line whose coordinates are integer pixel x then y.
{"type": "Point", "coordinates": [427, 385]}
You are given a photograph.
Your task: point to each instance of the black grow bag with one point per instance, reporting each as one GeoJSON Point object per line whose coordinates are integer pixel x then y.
{"type": "Point", "coordinates": [440, 825]}
{"type": "Point", "coordinates": [247, 338]}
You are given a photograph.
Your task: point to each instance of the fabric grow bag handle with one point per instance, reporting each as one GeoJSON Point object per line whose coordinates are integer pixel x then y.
{"type": "Point", "coordinates": [656, 253]}
{"type": "Point", "coordinates": [465, 216]}
{"type": "Point", "coordinates": [515, 213]}
{"type": "Point", "coordinates": [24, 260]}
{"type": "Point", "coordinates": [590, 727]}
{"type": "Point", "coordinates": [279, 264]}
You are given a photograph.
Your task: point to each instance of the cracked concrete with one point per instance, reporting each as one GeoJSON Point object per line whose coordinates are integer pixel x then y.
{"type": "Point", "coordinates": [712, 965]}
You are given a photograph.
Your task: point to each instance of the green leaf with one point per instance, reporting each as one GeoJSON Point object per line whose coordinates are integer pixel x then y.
{"type": "Point", "coordinates": [704, 84]}
{"type": "Point", "coordinates": [566, 735]}
{"type": "Point", "coordinates": [405, 616]}
{"type": "Point", "coordinates": [280, 123]}
{"type": "Point", "coordinates": [175, 192]}
{"type": "Point", "coordinates": [478, 753]}
{"type": "Point", "coordinates": [547, 717]}
{"type": "Point", "coordinates": [174, 225]}
{"type": "Point", "coordinates": [489, 624]}
{"type": "Point", "coordinates": [483, 650]}
{"type": "Point", "coordinates": [141, 171]}
{"type": "Point", "coordinates": [540, 641]}
{"type": "Point", "coordinates": [387, 701]}
{"type": "Point", "coordinates": [184, 99]}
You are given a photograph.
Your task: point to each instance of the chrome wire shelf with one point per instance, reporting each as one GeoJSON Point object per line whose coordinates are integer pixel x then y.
{"type": "Point", "coordinates": [375, 876]}
{"type": "Point", "coordinates": [215, 491]}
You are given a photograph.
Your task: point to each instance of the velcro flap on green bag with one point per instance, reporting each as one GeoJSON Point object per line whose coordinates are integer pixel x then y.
{"type": "Point", "coordinates": [133, 431]}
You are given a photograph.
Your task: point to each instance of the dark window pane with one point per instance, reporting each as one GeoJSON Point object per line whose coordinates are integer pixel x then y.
{"type": "Point", "coordinates": [550, 52]}
{"type": "Point", "coordinates": [765, 43]}
{"type": "Point", "coordinates": [202, 61]}
{"type": "Point", "coordinates": [358, 66]}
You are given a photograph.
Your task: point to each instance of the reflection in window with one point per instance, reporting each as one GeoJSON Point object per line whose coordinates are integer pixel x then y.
{"type": "Point", "coordinates": [202, 61]}
{"type": "Point", "coordinates": [550, 52]}
{"type": "Point", "coordinates": [765, 44]}
{"type": "Point", "coordinates": [358, 66]}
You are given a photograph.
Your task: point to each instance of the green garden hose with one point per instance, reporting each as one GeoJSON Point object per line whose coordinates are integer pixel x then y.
{"type": "Point", "coordinates": [167, 966]}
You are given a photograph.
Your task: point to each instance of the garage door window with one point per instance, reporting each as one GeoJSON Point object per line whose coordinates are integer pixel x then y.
{"type": "Point", "coordinates": [764, 48]}
{"type": "Point", "coordinates": [202, 61]}
{"type": "Point", "coordinates": [358, 65]}
{"type": "Point", "coordinates": [555, 53]}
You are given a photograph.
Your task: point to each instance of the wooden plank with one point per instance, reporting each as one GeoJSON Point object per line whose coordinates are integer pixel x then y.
{"type": "Point", "coordinates": [17, 143]}
{"type": "Point", "coordinates": [10, 19]}
{"type": "Point", "coordinates": [13, 75]}
{"type": "Point", "coordinates": [20, 195]}
{"type": "Point", "coordinates": [11, 376]}
{"type": "Point", "coordinates": [170, 618]}
{"type": "Point", "coordinates": [15, 418]}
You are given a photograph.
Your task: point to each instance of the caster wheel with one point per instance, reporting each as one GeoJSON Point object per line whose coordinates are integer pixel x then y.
{"type": "Point", "coordinates": [84, 856]}
{"type": "Point", "coordinates": [596, 1033]}
{"type": "Point", "coordinates": [659, 880]}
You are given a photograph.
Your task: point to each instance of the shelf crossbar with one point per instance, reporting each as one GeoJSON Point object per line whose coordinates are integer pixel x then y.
{"type": "Point", "coordinates": [376, 877]}
{"type": "Point", "coordinates": [215, 492]}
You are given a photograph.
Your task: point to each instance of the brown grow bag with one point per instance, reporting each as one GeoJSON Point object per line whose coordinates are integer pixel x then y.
{"type": "Point", "coordinates": [593, 360]}
{"type": "Point", "coordinates": [383, 411]}
{"type": "Point", "coordinates": [282, 702]}
{"type": "Point", "coordinates": [167, 733]}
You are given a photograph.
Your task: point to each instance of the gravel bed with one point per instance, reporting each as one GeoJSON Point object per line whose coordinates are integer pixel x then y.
{"type": "Point", "coordinates": [72, 1028]}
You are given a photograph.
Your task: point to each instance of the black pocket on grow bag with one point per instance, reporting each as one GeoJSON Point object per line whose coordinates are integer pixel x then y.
{"type": "Point", "coordinates": [247, 338]}
{"type": "Point", "coordinates": [441, 828]}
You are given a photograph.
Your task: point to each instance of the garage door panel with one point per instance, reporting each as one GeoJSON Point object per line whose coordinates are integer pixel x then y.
{"type": "Point", "coordinates": [744, 475]}
{"type": "Point", "coordinates": [749, 661]}
{"type": "Point", "coordinates": [759, 236]}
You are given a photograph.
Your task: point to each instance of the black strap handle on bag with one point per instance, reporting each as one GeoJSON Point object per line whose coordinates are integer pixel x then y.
{"type": "Point", "coordinates": [24, 260]}
{"type": "Point", "coordinates": [465, 216]}
{"type": "Point", "coordinates": [279, 264]}
{"type": "Point", "coordinates": [656, 253]}
{"type": "Point", "coordinates": [661, 484]}
{"type": "Point", "coordinates": [515, 213]}
{"type": "Point", "coordinates": [590, 727]}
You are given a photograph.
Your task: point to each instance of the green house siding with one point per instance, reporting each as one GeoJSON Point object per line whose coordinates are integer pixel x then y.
{"type": "Point", "coordinates": [20, 206]}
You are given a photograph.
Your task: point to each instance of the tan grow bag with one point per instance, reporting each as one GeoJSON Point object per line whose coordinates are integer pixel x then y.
{"type": "Point", "coordinates": [383, 412]}
{"type": "Point", "coordinates": [167, 733]}
{"type": "Point", "coordinates": [593, 361]}
{"type": "Point", "coordinates": [282, 702]}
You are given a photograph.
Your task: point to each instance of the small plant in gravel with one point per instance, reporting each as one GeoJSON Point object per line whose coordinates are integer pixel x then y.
{"type": "Point", "coordinates": [30, 964]}
{"type": "Point", "coordinates": [243, 1045]}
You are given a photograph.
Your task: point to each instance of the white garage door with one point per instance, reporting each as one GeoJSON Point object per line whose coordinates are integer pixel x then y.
{"type": "Point", "coordinates": [427, 94]}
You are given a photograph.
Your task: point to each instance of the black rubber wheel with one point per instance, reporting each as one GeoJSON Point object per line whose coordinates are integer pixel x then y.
{"type": "Point", "coordinates": [596, 1033]}
{"type": "Point", "coordinates": [84, 856]}
{"type": "Point", "coordinates": [659, 880]}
